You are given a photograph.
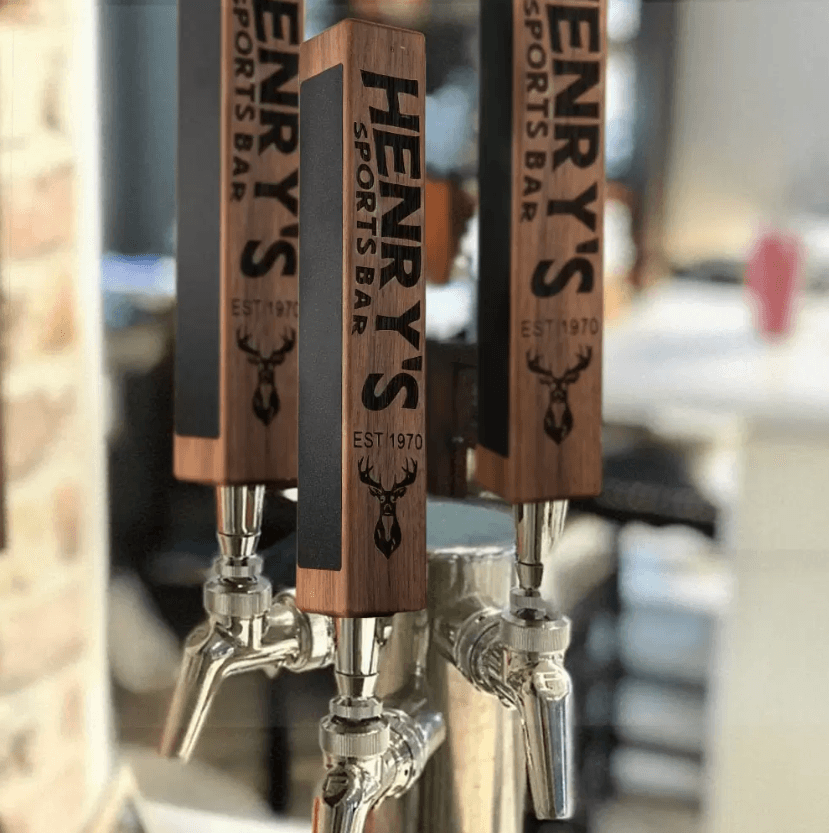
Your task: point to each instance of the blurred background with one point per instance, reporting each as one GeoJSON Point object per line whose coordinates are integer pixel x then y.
{"type": "Point", "coordinates": [696, 582]}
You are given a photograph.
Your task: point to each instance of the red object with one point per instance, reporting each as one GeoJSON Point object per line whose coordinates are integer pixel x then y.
{"type": "Point", "coordinates": [772, 276]}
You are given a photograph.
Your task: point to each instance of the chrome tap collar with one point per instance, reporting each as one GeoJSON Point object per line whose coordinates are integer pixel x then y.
{"type": "Point", "coordinates": [358, 655]}
{"type": "Point", "coordinates": [348, 708]}
{"type": "Point", "coordinates": [236, 588]}
{"type": "Point", "coordinates": [521, 599]}
{"type": "Point", "coordinates": [538, 527]}
{"type": "Point", "coordinates": [240, 570]}
{"type": "Point", "coordinates": [239, 519]}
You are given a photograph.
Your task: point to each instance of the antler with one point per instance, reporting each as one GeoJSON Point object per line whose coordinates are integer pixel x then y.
{"type": "Point", "coordinates": [243, 342]}
{"type": "Point", "coordinates": [365, 474]}
{"type": "Point", "coordinates": [288, 342]}
{"type": "Point", "coordinates": [534, 364]}
{"type": "Point", "coordinates": [409, 475]}
{"type": "Point", "coordinates": [584, 357]}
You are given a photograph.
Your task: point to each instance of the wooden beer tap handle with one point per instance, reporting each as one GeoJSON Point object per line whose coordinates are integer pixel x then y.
{"type": "Point", "coordinates": [542, 197]}
{"type": "Point", "coordinates": [362, 449]}
{"type": "Point", "coordinates": [237, 251]}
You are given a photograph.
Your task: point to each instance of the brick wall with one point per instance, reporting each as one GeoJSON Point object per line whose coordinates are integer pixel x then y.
{"type": "Point", "coordinates": [52, 572]}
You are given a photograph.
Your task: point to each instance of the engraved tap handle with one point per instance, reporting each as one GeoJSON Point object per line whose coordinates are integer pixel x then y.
{"type": "Point", "coordinates": [540, 319]}
{"type": "Point", "coordinates": [237, 253]}
{"type": "Point", "coordinates": [362, 505]}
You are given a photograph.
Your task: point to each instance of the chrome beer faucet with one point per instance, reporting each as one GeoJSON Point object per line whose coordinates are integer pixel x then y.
{"type": "Point", "coordinates": [517, 654]}
{"type": "Point", "coordinates": [370, 752]}
{"type": "Point", "coordinates": [534, 636]}
{"type": "Point", "coordinates": [224, 437]}
{"type": "Point", "coordinates": [539, 349]}
{"type": "Point", "coordinates": [246, 629]}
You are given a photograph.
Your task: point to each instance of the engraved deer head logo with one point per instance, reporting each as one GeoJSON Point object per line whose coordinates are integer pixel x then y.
{"type": "Point", "coordinates": [387, 534]}
{"type": "Point", "coordinates": [558, 419]}
{"type": "Point", "coordinates": [265, 397]}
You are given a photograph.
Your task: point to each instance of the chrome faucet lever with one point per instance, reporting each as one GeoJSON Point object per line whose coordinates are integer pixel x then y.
{"type": "Point", "coordinates": [540, 386]}
{"type": "Point", "coordinates": [361, 515]}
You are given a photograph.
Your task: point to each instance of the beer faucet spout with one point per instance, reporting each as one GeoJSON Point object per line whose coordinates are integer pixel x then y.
{"type": "Point", "coordinates": [209, 657]}
{"type": "Point", "coordinates": [225, 645]}
{"type": "Point", "coordinates": [543, 702]}
{"type": "Point", "coordinates": [246, 628]}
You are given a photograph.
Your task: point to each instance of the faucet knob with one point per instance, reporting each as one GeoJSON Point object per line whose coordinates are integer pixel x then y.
{"type": "Point", "coordinates": [540, 688]}
{"type": "Point", "coordinates": [354, 731]}
{"type": "Point", "coordinates": [237, 598]}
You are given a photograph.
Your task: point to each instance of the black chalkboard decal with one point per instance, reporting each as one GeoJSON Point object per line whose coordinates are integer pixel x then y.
{"type": "Point", "coordinates": [495, 224]}
{"type": "Point", "coordinates": [319, 510]}
{"type": "Point", "coordinates": [198, 212]}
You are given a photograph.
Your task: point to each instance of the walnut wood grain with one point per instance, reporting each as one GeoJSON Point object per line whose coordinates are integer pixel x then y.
{"type": "Point", "coordinates": [552, 332]}
{"type": "Point", "coordinates": [381, 440]}
{"type": "Point", "coordinates": [450, 415]}
{"type": "Point", "coordinates": [258, 318]}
